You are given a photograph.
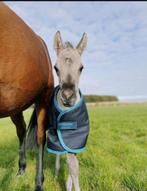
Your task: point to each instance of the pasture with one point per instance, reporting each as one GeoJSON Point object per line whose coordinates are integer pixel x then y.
{"type": "Point", "coordinates": [115, 158]}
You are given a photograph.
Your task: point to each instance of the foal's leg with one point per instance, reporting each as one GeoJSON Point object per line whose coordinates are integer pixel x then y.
{"type": "Point", "coordinates": [57, 165]}
{"type": "Point", "coordinates": [41, 137]}
{"type": "Point", "coordinates": [18, 120]}
{"type": "Point", "coordinates": [69, 183]}
{"type": "Point", "coordinates": [73, 169]}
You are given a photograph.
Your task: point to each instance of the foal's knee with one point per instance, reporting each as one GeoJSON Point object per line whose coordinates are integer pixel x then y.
{"type": "Point", "coordinates": [73, 165]}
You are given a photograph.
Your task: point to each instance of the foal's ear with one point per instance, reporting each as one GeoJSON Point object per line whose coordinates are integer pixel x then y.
{"type": "Point", "coordinates": [82, 44]}
{"type": "Point", "coordinates": [58, 45]}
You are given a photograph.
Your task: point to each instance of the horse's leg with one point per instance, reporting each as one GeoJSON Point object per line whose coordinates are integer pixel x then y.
{"type": "Point", "coordinates": [19, 122]}
{"type": "Point", "coordinates": [41, 137]}
{"type": "Point", "coordinates": [57, 165]}
{"type": "Point", "coordinates": [73, 169]}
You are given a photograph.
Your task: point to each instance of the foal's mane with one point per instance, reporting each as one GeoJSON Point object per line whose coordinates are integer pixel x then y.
{"type": "Point", "coordinates": [68, 44]}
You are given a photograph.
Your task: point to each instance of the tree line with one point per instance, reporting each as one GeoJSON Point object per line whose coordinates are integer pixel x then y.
{"type": "Point", "coordinates": [99, 98]}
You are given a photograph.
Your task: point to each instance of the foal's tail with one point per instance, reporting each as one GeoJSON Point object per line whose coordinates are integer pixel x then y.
{"type": "Point", "coordinates": [31, 141]}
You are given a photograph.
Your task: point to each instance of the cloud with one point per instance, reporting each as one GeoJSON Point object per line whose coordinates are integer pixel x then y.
{"type": "Point", "coordinates": [115, 59]}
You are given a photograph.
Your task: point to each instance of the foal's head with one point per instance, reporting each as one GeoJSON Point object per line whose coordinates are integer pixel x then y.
{"type": "Point", "coordinates": [68, 67]}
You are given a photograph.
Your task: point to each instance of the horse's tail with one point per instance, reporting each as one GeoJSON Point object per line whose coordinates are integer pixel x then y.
{"type": "Point", "coordinates": [31, 141]}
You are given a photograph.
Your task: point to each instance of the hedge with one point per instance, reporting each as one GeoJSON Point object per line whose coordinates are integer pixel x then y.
{"type": "Point", "coordinates": [99, 98]}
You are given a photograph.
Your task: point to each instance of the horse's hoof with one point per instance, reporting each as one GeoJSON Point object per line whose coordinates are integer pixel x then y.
{"type": "Point", "coordinates": [38, 188]}
{"type": "Point", "coordinates": [20, 172]}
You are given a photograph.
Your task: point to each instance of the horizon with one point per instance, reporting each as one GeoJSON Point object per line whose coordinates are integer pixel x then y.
{"type": "Point", "coordinates": [115, 60]}
{"type": "Point", "coordinates": [123, 98]}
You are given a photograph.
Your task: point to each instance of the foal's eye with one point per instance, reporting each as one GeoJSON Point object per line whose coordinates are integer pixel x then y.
{"type": "Point", "coordinates": [56, 69]}
{"type": "Point", "coordinates": [81, 68]}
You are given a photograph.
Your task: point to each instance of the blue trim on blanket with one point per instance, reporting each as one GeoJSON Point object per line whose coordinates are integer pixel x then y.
{"type": "Point", "coordinates": [67, 125]}
{"type": "Point", "coordinates": [56, 152]}
{"type": "Point", "coordinates": [65, 147]}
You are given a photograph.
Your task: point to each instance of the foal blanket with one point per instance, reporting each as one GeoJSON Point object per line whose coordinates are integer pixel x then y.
{"type": "Point", "coordinates": [68, 129]}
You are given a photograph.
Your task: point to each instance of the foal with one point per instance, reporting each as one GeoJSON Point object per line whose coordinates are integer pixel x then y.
{"type": "Point", "coordinates": [68, 69]}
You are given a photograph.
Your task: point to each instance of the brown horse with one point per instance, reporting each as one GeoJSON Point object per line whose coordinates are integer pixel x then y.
{"type": "Point", "coordinates": [25, 78]}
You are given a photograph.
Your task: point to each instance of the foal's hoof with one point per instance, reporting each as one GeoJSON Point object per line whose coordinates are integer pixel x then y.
{"type": "Point", "coordinates": [20, 172]}
{"type": "Point", "coordinates": [38, 188]}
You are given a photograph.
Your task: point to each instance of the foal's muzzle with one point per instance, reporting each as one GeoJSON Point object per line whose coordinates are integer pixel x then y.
{"type": "Point", "coordinates": [68, 97]}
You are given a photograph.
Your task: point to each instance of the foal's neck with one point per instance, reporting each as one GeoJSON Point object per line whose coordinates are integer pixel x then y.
{"type": "Point", "coordinates": [60, 101]}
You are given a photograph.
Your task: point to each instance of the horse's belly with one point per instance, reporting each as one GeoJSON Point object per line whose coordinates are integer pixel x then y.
{"type": "Point", "coordinates": [24, 65]}
{"type": "Point", "coordinates": [15, 98]}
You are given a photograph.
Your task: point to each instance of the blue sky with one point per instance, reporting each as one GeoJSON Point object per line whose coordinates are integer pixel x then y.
{"type": "Point", "coordinates": [116, 56]}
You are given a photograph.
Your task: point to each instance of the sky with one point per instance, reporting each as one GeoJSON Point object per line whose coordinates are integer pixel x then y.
{"type": "Point", "coordinates": [115, 60]}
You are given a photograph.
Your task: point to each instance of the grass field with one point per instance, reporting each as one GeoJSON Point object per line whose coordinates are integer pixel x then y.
{"type": "Point", "coordinates": [115, 158]}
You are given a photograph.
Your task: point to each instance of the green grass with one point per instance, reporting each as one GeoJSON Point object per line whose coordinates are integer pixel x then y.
{"type": "Point", "coordinates": [115, 158]}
